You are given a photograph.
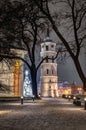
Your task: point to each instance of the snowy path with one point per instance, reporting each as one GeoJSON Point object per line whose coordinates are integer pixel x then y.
{"type": "Point", "coordinates": [45, 114]}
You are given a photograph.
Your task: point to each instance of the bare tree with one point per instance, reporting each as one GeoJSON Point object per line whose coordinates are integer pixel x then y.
{"type": "Point", "coordinates": [21, 25]}
{"type": "Point", "coordinates": [74, 17]}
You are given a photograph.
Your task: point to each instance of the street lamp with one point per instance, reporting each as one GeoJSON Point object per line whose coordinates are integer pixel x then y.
{"type": "Point", "coordinates": [39, 96]}
{"type": "Point", "coordinates": [69, 97]}
{"type": "Point", "coordinates": [85, 103]}
{"type": "Point", "coordinates": [74, 100]}
{"type": "Point", "coordinates": [21, 99]}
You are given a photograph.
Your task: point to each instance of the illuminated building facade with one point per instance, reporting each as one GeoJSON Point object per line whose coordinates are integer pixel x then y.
{"type": "Point", "coordinates": [14, 79]}
{"type": "Point", "coordinates": [70, 89]}
{"type": "Point", "coordinates": [49, 79]}
{"type": "Point", "coordinates": [10, 79]}
{"type": "Point", "coordinates": [17, 70]}
{"type": "Point", "coordinates": [6, 79]}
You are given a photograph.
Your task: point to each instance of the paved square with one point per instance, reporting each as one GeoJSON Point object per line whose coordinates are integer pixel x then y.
{"type": "Point", "coordinates": [45, 114]}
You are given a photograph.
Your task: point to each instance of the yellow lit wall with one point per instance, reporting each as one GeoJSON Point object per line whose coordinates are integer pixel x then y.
{"type": "Point", "coordinates": [17, 78]}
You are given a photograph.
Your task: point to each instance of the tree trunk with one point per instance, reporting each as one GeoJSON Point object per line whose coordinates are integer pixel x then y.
{"type": "Point", "coordinates": [84, 85]}
{"type": "Point", "coordinates": [80, 72]}
{"type": "Point", "coordinates": [34, 81]}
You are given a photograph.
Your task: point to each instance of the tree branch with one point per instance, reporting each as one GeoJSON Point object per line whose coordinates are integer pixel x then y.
{"type": "Point", "coordinates": [15, 57]}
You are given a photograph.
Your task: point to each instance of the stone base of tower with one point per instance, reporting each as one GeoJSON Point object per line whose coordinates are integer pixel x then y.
{"type": "Point", "coordinates": [50, 87]}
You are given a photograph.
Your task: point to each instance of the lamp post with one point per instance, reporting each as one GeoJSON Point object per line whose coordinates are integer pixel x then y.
{"type": "Point", "coordinates": [69, 97]}
{"type": "Point", "coordinates": [39, 96]}
{"type": "Point", "coordinates": [85, 103]}
{"type": "Point", "coordinates": [21, 99]}
{"type": "Point", "coordinates": [74, 100]}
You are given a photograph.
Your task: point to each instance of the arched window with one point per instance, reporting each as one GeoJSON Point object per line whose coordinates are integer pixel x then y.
{"type": "Point", "coordinates": [52, 46]}
{"type": "Point", "coordinates": [46, 48]}
{"type": "Point", "coordinates": [47, 71]}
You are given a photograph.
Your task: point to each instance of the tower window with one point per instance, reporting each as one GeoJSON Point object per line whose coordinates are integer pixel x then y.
{"type": "Point", "coordinates": [52, 46]}
{"type": "Point", "coordinates": [47, 48]}
{"type": "Point", "coordinates": [47, 71]}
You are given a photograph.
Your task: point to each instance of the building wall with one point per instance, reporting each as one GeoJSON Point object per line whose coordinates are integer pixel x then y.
{"type": "Point", "coordinates": [12, 78]}
{"type": "Point", "coordinates": [6, 79]}
{"type": "Point", "coordinates": [49, 86]}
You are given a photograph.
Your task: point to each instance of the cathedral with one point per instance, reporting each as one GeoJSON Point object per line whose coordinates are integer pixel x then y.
{"type": "Point", "coordinates": [17, 78]}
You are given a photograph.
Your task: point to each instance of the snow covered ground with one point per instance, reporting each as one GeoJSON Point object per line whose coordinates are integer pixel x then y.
{"type": "Point", "coordinates": [45, 114]}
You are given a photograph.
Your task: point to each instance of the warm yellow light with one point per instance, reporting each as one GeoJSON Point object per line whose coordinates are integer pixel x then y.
{"type": "Point", "coordinates": [66, 92]}
{"type": "Point", "coordinates": [74, 97]}
{"type": "Point", "coordinates": [5, 112]}
{"type": "Point", "coordinates": [85, 99]}
{"type": "Point", "coordinates": [69, 97]}
{"type": "Point", "coordinates": [79, 89]}
{"type": "Point", "coordinates": [16, 77]}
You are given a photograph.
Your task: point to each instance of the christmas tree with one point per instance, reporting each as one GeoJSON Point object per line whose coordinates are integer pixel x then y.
{"type": "Point", "coordinates": [27, 87]}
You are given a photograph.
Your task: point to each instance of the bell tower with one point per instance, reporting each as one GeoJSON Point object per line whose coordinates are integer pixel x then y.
{"type": "Point", "coordinates": [49, 79]}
